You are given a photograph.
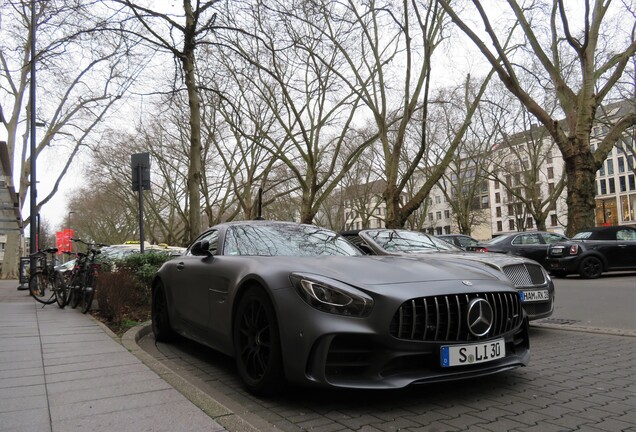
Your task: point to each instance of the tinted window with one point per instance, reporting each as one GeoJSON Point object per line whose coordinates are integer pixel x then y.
{"type": "Point", "coordinates": [527, 239]}
{"type": "Point", "coordinates": [626, 234]}
{"type": "Point", "coordinates": [285, 240]}
{"type": "Point", "coordinates": [552, 238]}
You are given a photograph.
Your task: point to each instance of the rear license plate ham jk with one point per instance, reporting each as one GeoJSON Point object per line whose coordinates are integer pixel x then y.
{"type": "Point", "coordinates": [467, 354]}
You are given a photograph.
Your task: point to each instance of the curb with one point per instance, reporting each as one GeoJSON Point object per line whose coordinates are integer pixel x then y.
{"type": "Point", "coordinates": [217, 411]}
{"type": "Point", "coordinates": [575, 328]}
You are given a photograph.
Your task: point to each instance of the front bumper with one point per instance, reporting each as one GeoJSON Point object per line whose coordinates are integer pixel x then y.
{"type": "Point", "coordinates": [566, 265]}
{"type": "Point", "coordinates": [328, 350]}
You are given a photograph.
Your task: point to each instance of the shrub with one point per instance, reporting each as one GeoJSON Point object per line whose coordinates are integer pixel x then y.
{"type": "Point", "coordinates": [124, 290]}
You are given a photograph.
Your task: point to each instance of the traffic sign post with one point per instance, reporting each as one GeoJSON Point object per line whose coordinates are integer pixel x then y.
{"type": "Point", "coordinates": [140, 164]}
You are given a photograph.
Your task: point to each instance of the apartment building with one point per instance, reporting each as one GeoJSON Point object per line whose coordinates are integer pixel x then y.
{"type": "Point", "coordinates": [523, 170]}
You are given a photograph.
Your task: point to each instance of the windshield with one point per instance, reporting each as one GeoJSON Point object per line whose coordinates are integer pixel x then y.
{"type": "Point", "coordinates": [408, 241]}
{"type": "Point", "coordinates": [582, 235]}
{"type": "Point", "coordinates": [285, 240]}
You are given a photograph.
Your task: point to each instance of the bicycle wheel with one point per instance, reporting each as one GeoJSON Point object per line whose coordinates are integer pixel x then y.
{"type": "Point", "coordinates": [75, 290]}
{"type": "Point", "coordinates": [61, 290]}
{"type": "Point", "coordinates": [88, 293]}
{"type": "Point", "coordinates": [41, 288]}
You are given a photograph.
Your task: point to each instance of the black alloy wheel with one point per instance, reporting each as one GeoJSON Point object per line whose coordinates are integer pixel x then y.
{"type": "Point", "coordinates": [257, 344]}
{"type": "Point", "coordinates": [161, 327]}
{"type": "Point", "coordinates": [591, 267]}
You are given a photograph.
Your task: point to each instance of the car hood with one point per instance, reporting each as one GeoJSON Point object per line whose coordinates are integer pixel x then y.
{"type": "Point", "coordinates": [383, 270]}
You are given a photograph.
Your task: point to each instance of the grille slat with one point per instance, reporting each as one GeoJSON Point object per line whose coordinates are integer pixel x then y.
{"type": "Point", "coordinates": [443, 318]}
{"type": "Point", "coordinates": [525, 275]}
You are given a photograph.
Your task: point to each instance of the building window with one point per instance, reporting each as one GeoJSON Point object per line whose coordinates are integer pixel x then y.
{"type": "Point", "coordinates": [612, 186]}
{"type": "Point", "coordinates": [447, 229]}
{"type": "Point", "coordinates": [511, 209]}
{"type": "Point", "coordinates": [550, 188]}
{"type": "Point", "coordinates": [548, 158]}
{"type": "Point", "coordinates": [628, 205]}
{"type": "Point", "coordinates": [496, 184]}
{"type": "Point", "coordinates": [632, 183]}
{"type": "Point", "coordinates": [498, 211]}
{"type": "Point", "coordinates": [529, 222]}
{"type": "Point", "coordinates": [438, 199]}
{"type": "Point", "coordinates": [497, 197]}
{"type": "Point", "coordinates": [499, 226]}
{"type": "Point", "coordinates": [447, 214]}
{"type": "Point", "coordinates": [438, 215]}
{"type": "Point", "coordinates": [484, 201]}
{"type": "Point", "coordinates": [550, 172]}
{"type": "Point", "coordinates": [553, 220]}
{"type": "Point", "coordinates": [601, 170]}
{"type": "Point", "coordinates": [621, 165]}
{"type": "Point", "coordinates": [622, 184]}
{"type": "Point", "coordinates": [610, 167]}
{"type": "Point", "coordinates": [511, 224]}
{"type": "Point", "coordinates": [430, 217]}
{"type": "Point", "coordinates": [438, 231]}
{"type": "Point", "coordinates": [603, 187]}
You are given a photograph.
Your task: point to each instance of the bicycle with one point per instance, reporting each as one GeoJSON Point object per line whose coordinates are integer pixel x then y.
{"type": "Point", "coordinates": [47, 285]}
{"type": "Point", "coordinates": [83, 277]}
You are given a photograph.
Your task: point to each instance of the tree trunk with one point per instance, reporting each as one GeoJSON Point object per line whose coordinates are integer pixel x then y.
{"type": "Point", "coordinates": [11, 261]}
{"type": "Point", "coordinates": [580, 172]}
{"type": "Point", "coordinates": [194, 103]}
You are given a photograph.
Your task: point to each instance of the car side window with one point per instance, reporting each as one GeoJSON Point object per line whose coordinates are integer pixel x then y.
{"type": "Point", "coordinates": [526, 239]}
{"type": "Point", "coordinates": [550, 238]}
{"type": "Point", "coordinates": [626, 234]}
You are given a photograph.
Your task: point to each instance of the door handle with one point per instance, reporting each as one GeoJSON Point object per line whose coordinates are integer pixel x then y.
{"type": "Point", "coordinates": [180, 266]}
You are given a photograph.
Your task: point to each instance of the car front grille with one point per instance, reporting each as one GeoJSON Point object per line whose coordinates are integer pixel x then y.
{"type": "Point", "coordinates": [444, 318]}
{"type": "Point", "coordinates": [525, 275]}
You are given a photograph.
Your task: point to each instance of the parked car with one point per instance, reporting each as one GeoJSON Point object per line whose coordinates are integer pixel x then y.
{"type": "Point", "coordinates": [460, 240]}
{"type": "Point", "coordinates": [533, 283]}
{"type": "Point", "coordinates": [298, 303]}
{"type": "Point", "coordinates": [530, 244]}
{"type": "Point", "coordinates": [594, 251]}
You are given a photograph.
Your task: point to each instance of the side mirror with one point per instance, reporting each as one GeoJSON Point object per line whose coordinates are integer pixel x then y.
{"type": "Point", "coordinates": [201, 248]}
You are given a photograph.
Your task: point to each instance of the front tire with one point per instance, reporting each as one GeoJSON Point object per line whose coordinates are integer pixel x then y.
{"type": "Point", "coordinates": [88, 293]}
{"type": "Point", "coordinates": [161, 327]}
{"type": "Point", "coordinates": [61, 291]}
{"type": "Point", "coordinates": [257, 344]}
{"type": "Point", "coordinates": [591, 267]}
{"type": "Point", "coordinates": [41, 288]}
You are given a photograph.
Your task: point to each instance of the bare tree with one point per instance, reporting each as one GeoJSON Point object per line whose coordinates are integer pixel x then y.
{"type": "Point", "coordinates": [181, 39]}
{"type": "Point", "coordinates": [574, 63]}
{"type": "Point", "coordinates": [295, 76]}
{"type": "Point", "coordinates": [78, 87]}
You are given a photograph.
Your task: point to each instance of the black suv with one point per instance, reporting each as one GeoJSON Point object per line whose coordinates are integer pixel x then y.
{"type": "Point", "coordinates": [594, 251]}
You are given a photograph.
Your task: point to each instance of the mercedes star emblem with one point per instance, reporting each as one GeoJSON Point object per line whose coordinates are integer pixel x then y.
{"type": "Point", "coordinates": [479, 317]}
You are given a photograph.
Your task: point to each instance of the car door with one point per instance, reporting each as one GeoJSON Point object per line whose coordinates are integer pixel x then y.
{"type": "Point", "coordinates": [626, 247]}
{"type": "Point", "coordinates": [193, 277]}
{"type": "Point", "coordinates": [529, 245]}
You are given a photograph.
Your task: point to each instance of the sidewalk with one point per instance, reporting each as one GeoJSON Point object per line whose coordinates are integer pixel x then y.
{"type": "Point", "coordinates": [61, 371]}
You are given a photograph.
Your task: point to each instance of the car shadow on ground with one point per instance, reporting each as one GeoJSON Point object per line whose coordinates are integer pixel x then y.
{"type": "Point", "coordinates": [606, 275]}
{"type": "Point", "coordinates": [219, 370]}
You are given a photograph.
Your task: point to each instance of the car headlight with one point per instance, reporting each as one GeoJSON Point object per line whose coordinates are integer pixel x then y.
{"type": "Point", "coordinates": [331, 296]}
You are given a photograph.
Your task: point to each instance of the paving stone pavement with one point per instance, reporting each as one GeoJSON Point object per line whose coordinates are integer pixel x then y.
{"type": "Point", "coordinates": [61, 371]}
{"type": "Point", "coordinates": [576, 380]}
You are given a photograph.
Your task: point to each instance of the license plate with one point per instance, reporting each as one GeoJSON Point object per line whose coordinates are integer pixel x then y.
{"type": "Point", "coordinates": [462, 355]}
{"type": "Point", "coordinates": [532, 296]}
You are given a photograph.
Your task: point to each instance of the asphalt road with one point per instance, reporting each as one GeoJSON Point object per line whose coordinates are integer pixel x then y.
{"type": "Point", "coordinates": [607, 302]}
{"type": "Point", "coordinates": [579, 378]}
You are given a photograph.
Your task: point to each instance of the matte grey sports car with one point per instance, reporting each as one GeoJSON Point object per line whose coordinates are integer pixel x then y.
{"type": "Point", "coordinates": [299, 303]}
{"type": "Point", "coordinates": [531, 280]}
